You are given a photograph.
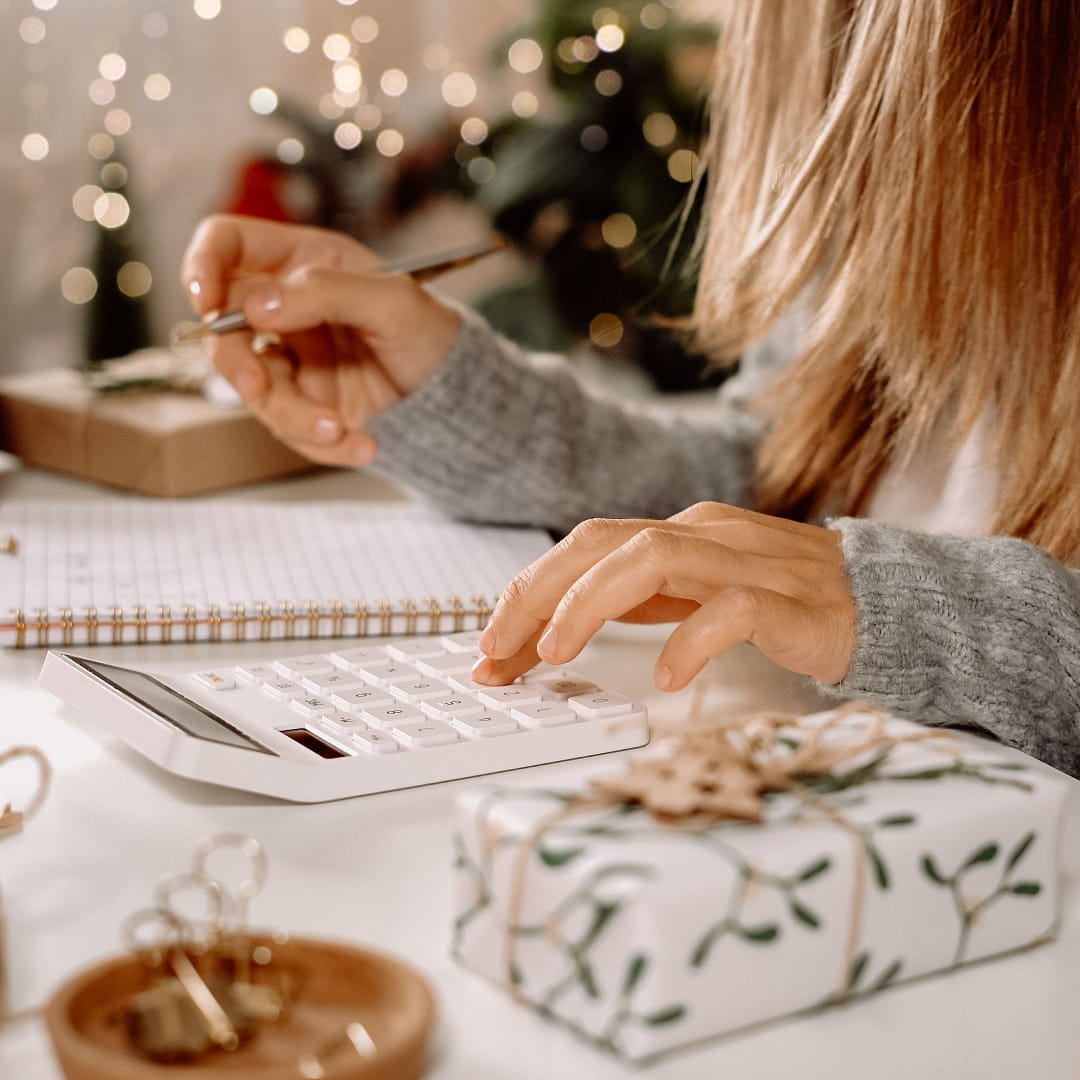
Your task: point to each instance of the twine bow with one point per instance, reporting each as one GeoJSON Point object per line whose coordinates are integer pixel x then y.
{"type": "Point", "coordinates": [723, 772]}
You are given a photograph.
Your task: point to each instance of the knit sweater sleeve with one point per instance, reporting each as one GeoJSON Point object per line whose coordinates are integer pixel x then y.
{"type": "Point", "coordinates": [498, 436]}
{"type": "Point", "coordinates": [982, 633]}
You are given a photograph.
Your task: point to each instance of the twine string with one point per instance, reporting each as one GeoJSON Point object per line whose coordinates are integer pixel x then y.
{"type": "Point", "coordinates": [722, 772]}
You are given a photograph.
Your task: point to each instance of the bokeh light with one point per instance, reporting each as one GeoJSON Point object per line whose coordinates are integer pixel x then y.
{"type": "Point", "coordinates": [606, 330]}
{"type": "Point", "coordinates": [594, 138]}
{"type": "Point", "coordinates": [113, 174]}
{"type": "Point", "coordinates": [458, 89]}
{"type": "Point", "coordinates": [659, 129]}
{"type": "Point", "coordinates": [336, 47]}
{"type": "Point", "coordinates": [389, 142]}
{"type": "Point", "coordinates": [480, 170]}
{"type": "Point", "coordinates": [365, 29]}
{"type": "Point", "coordinates": [35, 146]}
{"type": "Point", "coordinates": [134, 279]}
{"type": "Point", "coordinates": [157, 86]}
{"type": "Point", "coordinates": [296, 39]}
{"type": "Point", "coordinates": [618, 230]}
{"type": "Point", "coordinates": [474, 130]}
{"type": "Point", "coordinates": [525, 104]}
{"type": "Point", "coordinates": [525, 55]}
{"type": "Point", "coordinates": [290, 151]}
{"type": "Point", "coordinates": [112, 66]}
{"type": "Point", "coordinates": [608, 82]}
{"type": "Point", "coordinates": [394, 82]}
{"type": "Point", "coordinates": [118, 121]}
{"type": "Point", "coordinates": [435, 57]}
{"type": "Point", "coordinates": [610, 37]}
{"type": "Point", "coordinates": [102, 91]}
{"type": "Point", "coordinates": [682, 166]}
{"type": "Point", "coordinates": [111, 209]}
{"type": "Point", "coordinates": [653, 16]}
{"type": "Point", "coordinates": [100, 146]}
{"type": "Point", "coordinates": [207, 9]}
{"type": "Point", "coordinates": [78, 285]}
{"type": "Point", "coordinates": [82, 202]}
{"type": "Point", "coordinates": [32, 30]}
{"type": "Point", "coordinates": [263, 100]}
{"type": "Point", "coordinates": [347, 77]}
{"type": "Point", "coordinates": [348, 135]}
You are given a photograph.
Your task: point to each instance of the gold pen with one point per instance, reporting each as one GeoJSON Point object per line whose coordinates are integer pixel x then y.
{"type": "Point", "coordinates": [419, 267]}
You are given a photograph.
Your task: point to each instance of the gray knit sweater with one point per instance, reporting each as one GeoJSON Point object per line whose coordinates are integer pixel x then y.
{"type": "Point", "coordinates": [982, 633]}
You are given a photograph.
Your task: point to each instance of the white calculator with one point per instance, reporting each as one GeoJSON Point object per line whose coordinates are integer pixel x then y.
{"type": "Point", "coordinates": [352, 721]}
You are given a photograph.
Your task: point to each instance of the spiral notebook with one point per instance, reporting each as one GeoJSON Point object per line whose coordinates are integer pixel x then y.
{"type": "Point", "coordinates": [125, 570]}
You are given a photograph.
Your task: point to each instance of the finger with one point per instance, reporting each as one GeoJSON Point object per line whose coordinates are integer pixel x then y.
{"type": "Point", "coordinates": [656, 561]}
{"type": "Point", "coordinates": [313, 295]}
{"type": "Point", "coordinates": [354, 451]}
{"type": "Point", "coordinates": [289, 414]}
{"type": "Point", "coordinates": [788, 631]}
{"type": "Point", "coordinates": [500, 672]}
{"type": "Point", "coordinates": [529, 600]}
{"type": "Point", "coordinates": [745, 528]}
{"type": "Point", "coordinates": [226, 245]}
{"type": "Point", "coordinates": [232, 356]}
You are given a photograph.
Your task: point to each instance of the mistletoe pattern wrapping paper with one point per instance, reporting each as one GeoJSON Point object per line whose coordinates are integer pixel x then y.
{"type": "Point", "coordinates": [644, 937]}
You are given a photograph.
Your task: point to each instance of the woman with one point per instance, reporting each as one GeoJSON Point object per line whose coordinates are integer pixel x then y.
{"type": "Point", "coordinates": [892, 226]}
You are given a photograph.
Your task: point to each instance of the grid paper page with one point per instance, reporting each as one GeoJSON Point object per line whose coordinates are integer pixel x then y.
{"type": "Point", "coordinates": [104, 554]}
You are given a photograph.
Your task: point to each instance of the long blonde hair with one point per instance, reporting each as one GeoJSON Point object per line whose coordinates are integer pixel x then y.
{"type": "Point", "coordinates": [913, 168]}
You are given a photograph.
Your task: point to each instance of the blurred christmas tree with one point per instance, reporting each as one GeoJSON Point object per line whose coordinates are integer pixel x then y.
{"type": "Point", "coordinates": [598, 195]}
{"type": "Point", "coordinates": [117, 318]}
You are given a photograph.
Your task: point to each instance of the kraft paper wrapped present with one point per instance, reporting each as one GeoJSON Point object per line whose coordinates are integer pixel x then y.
{"type": "Point", "coordinates": [165, 443]}
{"type": "Point", "coordinates": [644, 936]}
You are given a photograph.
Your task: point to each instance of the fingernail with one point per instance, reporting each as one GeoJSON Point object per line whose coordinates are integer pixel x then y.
{"type": "Point", "coordinates": [486, 641]}
{"type": "Point", "coordinates": [195, 287]}
{"type": "Point", "coordinates": [483, 669]}
{"type": "Point", "coordinates": [662, 676]}
{"type": "Point", "coordinates": [248, 386]}
{"type": "Point", "coordinates": [548, 643]}
{"type": "Point", "coordinates": [265, 302]}
{"type": "Point", "coordinates": [327, 430]}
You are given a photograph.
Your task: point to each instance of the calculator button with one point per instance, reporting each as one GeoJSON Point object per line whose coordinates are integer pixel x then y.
{"type": "Point", "coordinates": [311, 706]}
{"type": "Point", "coordinates": [409, 651]}
{"type": "Point", "coordinates": [339, 723]}
{"type": "Point", "coordinates": [255, 673]}
{"type": "Point", "coordinates": [327, 684]}
{"type": "Point", "coordinates": [544, 714]}
{"type": "Point", "coordinates": [448, 663]}
{"type": "Point", "coordinates": [282, 689]}
{"type": "Point", "coordinates": [296, 667]}
{"type": "Point", "coordinates": [504, 696]}
{"type": "Point", "coordinates": [446, 708]}
{"type": "Point", "coordinates": [567, 688]}
{"type": "Point", "coordinates": [373, 741]}
{"type": "Point", "coordinates": [467, 641]}
{"type": "Point", "coordinates": [355, 700]}
{"type": "Point", "coordinates": [351, 659]}
{"type": "Point", "coordinates": [417, 690]}
{"type": "Point", "coordinates": [387, 672]}
{"type": "Point", "coordinates": [485, 725]}
{"type": "Point", "coordinates": [386, 716]}
{"type": "Point", "coordinates": [463, 682]}
{"type": "Point", "coordinates": [424, 733]}
{"type": "Point", "coordinates": [595, 706]}
{"type": "Point", "coordinates": [214, 680]}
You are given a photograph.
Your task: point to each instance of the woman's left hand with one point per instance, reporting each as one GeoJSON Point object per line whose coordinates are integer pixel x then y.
{"type": "Point", "coordinates": [726, 575]}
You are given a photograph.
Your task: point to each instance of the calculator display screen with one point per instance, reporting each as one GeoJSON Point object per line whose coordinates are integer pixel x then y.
{"type": "Point", "coordinates": [170, 705]}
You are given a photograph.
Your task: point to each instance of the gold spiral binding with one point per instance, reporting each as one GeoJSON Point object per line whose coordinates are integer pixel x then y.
{"type": "Point", "coordinates": [20, 628]}
{"type": "Point", "coordinates": [116, 619]}
{"type": "Point", "coordinates": [239, 618]}
{"type": "Point", "coordinates": [288, 617]}
{"type": "Point", "coordinates": [213, 622]}
{"type": "Point", "coordinates": [264, 613]}
{"type": "Point", "coordinates": [337, 619]}
{"type": "Point", "coordinates": [482, 609]}
{"type": "Point", "coordinates": [311, 613]}
{"type": "Point", "coordinates": [41, 621]}
{"type": "Point", "coordinates": [361, 612]}
{"type": "Point", "coordinates": [457, 609]}
{"type": "Point", "coordinates": [141, 624]}
{"type": "Point", "coordinates": [67, 626]}
{"type": "Point", "coordinates": [434, 614]}
{"type": "Point", "coordinates": [91, 617]}
{"type": "Point", "coordinates": [191, 622]}
{"type": "Point", "coordinates": [410, 615]}
{"type": "Point", "coordinates": [386, 616]}
{"type": "Point", "coordinates": [164, 622]}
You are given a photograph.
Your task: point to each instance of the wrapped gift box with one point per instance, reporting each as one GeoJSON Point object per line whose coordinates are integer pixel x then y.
{"type": "Point", "coordinates": [164, 443]}
{"type": "Point", "coordinates": [644, 936]}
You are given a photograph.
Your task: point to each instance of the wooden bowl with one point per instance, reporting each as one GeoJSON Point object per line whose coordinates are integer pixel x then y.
{"type": "Point", "coordinates": [332, 986]}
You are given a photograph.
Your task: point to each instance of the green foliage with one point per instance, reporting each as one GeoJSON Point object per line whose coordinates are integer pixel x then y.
{"type": "Point", "coordinates": [553, 187]}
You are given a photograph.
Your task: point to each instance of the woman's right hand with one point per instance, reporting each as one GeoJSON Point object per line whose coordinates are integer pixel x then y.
{"type": "Point", "coordinates": [353, 340]}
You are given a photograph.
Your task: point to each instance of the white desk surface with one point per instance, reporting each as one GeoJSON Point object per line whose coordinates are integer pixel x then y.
{"type": "Point", "coordinates": [376, 870]}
